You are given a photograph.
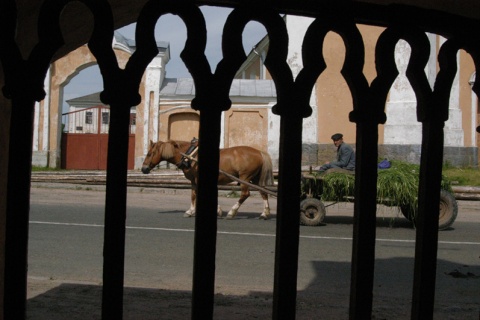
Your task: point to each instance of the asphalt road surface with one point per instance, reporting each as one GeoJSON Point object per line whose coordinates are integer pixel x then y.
{"type": "Point", "coordinates": [66, 240]}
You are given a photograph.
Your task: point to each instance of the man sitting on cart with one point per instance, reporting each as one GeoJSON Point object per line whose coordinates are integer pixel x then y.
{"type": "Point", "coordinates": [345, 156]}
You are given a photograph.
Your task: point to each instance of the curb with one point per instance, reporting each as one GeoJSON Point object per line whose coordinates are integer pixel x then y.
{"type": "Point", "coordinates": [170, 182]}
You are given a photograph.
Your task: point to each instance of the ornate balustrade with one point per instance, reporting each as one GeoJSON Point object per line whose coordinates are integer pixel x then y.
{"type": "Point", "coordinates": [25, 62]}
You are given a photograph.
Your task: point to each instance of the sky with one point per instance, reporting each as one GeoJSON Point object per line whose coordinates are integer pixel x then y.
{"type": "Point", "coordinates": [170, 28]}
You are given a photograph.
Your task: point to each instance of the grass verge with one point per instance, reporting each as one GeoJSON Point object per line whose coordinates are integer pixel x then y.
{"type": "Point", "coordinates": [463, 176]}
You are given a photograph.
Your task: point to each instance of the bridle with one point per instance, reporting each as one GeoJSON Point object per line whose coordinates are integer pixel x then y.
{"type": "Point", "coordinates": [150, 166]}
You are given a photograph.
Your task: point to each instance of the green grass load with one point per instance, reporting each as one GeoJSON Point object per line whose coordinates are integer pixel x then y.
{"type": "Point", "coordinates": [396, 186]}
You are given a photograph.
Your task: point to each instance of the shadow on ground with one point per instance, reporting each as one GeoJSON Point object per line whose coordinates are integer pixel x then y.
{"type": "Point", "coordinates": [326, 297]}
{"type": "Point", "coordinates": [81, 301]}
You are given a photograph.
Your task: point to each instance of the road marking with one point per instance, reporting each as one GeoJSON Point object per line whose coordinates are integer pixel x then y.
{"type": "Point", "coordinates": [245, 233]}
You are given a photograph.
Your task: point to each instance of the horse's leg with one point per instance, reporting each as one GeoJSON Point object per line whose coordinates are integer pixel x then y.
{"type": "Point", "coordinates": [191, 212]}
{"type": "Point", "coordinates": [266, 207]}
{"type": "Point", "coordinates": [243, 196]}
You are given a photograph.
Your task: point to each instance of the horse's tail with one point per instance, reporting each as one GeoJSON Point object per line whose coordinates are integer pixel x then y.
{"type": "Point", "coordinates": [266, 176]}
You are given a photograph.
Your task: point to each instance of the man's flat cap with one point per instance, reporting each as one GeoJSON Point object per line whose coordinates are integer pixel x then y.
{"type": "Point", "coordinates": [337, 136]}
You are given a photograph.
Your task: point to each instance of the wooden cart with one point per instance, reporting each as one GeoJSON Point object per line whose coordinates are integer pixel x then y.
{"type": "Point", "coordinates": [312, 209]}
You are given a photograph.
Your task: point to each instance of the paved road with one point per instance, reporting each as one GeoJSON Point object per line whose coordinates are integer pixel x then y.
{"type": "Point", "coordinates": [66, 239]}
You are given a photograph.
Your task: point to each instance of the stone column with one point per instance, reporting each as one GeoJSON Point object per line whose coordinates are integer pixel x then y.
{"type": "Point", "coordinates": [55, 98]}
{"type": "Point", "coordinates": [154, 76]}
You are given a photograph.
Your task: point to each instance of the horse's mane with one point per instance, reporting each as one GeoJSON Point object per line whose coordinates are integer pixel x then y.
{"type": "Point", "coordinates": [167, 149]}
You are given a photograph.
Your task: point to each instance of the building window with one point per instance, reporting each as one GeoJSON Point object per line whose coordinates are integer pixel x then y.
{"type": "Point", "coordinates": [105, 117]}
{"type": "Point", "coordinates": [133, 119]}
{"type": "Point", "coordinates": [88, 117]}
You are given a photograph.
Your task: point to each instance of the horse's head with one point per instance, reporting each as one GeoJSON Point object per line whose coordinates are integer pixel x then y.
{"type": "Point", "coordinates": [157, 152]}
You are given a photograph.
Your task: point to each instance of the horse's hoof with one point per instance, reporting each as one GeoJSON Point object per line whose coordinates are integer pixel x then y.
{"type": "Point", "coordinates": [188, 215]}
{"type": "Point", "coordinates": [262, 217]}
{"type": "Point", "coordinates": [229, 217]}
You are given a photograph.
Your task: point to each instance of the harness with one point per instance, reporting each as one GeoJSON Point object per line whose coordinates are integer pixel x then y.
{"type": "Point", "coordinates": [185, 162]}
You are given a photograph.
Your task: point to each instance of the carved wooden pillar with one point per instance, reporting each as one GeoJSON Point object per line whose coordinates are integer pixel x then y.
{"type": "Point", "coordinates": [18, 206]}
{"type": "Point", "coordinates": [432, 112]}
{"type": "Point", "coordinates": [292, 106]}
{"type": "Point", "coordinates": [24, 81]}
{"type": "Point", "coordinates": [211, 99]}
{"type": "Point", "coordinates": [121, 92]}
{"type": "Point", "coordinates": [367, 114]}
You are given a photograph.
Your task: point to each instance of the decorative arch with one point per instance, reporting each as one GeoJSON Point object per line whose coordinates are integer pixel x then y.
{"type": "Point", "coordinates": [47, 137]}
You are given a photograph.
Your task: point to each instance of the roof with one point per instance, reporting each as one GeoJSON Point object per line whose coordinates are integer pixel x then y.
{"type": "Point", "coordinates": [241, 89]}
{"type": "Point", "coordinates": [161, 45]}
{"type": "Point", "coordinates": [90, 99]}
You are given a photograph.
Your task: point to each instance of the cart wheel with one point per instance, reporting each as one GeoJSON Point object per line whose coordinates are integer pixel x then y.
{"type": "Point", "coordinates": [312, 212]}
{"type": "Point", "coordinates": [408, 212]}
{"type": "Point", "coordinates": [448, 210]}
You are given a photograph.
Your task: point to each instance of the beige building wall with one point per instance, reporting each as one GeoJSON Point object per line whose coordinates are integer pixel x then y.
{"type": "Point", "coordinates": [334, 100]}
{"type": "Point", "coordinates": [183, 126]}
{"type": "Point", "coordinates": [246, 126]}
{"type": "Point", "coordinates": [467, 101]}
{"type": "Point", "coordinates": [177, 121]}
{"type": "Point", "coordinates": [241, 125]}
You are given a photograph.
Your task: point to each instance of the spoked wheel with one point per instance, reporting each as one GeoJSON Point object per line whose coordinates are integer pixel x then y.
{"type": "Point", "coordinates": [312, 212]}
{"type": "Point", "coordinates": [448, 211]}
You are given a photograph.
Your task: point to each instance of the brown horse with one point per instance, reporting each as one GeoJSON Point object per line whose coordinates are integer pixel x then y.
{"type": "Point", "coordinates": [243, 162]}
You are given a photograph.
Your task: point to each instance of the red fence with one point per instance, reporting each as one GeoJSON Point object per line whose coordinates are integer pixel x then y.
{"type": "Point", "coordinates": [85, 139]}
